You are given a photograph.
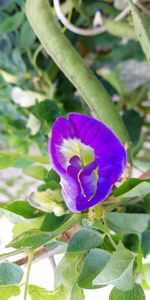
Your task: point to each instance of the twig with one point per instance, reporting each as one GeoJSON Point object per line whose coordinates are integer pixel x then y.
{"type": "Point", "coordinates": [145, 175]}
{"type": "Point", "coordinates": [123, 14]}
{"type": "Point", "coordinates": [144, 9]}
{"type": "Point", "coordinates": [38, 255]}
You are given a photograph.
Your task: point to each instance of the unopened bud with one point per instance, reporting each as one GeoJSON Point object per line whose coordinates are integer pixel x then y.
{"type": "Point", "coordinates": [48, 201]}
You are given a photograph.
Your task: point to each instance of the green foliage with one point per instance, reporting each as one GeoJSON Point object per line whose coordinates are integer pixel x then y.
{"type": "Point", "coordinates": [126, 223]}
{"type": "Point", "coordinates": [67, 273]}
{"type": "Point", "coordinates": [10, 274]}
{"type": "Point", "coordinates": [134, 294]}
{"type": "Point", "coordinates": [133, 187]}
{"type": "Point", "coordinates": [118, 270]}
{"type": "Point", "coordinates": [85, 240]}
{"type": "Point", "coordinates": [134, 126]}
{"type": "Point", "coordinates": [21, 208]}
{"type": "Point", "coordinates": [37, 172]}
{"type": "Point", "coordinates": [7, 292]}
{"type": "Point", "coordinates": [27, 36]}
{"type": "Point", "coordinates": [146, 243]}
{"type": "Point", "coordinates": [12, 23]}
{"type": "Point", "coordinates": [38, 293]}
{"type": "Point", "coordinates": [94, 263]}
{"type": "Point", "coordinates": [52, 223]}
{"type": "Point", "coordinates": [30, 239]}
{"type": "Point", "coordinates": [141, 24]}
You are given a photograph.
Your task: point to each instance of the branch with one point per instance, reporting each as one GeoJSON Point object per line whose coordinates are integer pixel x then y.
{"type": "Point", "coordinates": [39, 254]}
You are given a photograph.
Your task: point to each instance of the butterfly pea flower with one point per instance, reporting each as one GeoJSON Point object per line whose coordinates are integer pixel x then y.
{"type": "Point", "coordinates": [89, 158]}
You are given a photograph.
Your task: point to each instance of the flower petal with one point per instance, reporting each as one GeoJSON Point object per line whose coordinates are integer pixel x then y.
{"type": "Point", "coordinates": [60, 130]}
{"type": "Point", "coordinates": [82, 187]}
{"type": "Point", "coordinates": [109, 152]}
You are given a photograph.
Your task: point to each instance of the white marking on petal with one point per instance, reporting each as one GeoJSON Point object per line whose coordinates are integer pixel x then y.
{"type": "Point", "coordinates": [74, 147]}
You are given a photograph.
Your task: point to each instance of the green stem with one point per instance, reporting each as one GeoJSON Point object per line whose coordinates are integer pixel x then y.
{"type": "Point", "coordinates": [40, 16]}
{"type": "Point", "coordinates": [72, 221]}
{"type": "Point", "coordinates": [10, 254]}
{"type": "Point", "coordinates": [111, 240]}
{"type": "Point", "coordinates": [30, 258]}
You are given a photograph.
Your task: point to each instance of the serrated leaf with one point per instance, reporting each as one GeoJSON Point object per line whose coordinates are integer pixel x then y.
{"type": "Point", "coordinates": [118, 270]}
{"type": "Point", "coordinates": [67, 273]}
{"type": "Point", "coordinates": [84, 240]}
{"type": "Point", "coordinates": [127, 223]}
{"type": "Point", "coordinates": [37, 172]}
{"type": "Point", "coordinates": [38, 293]}
{"type": "Point", "coordinates": [136, 293]}
{"type": "Point", "coordinates": [94, 262]}
{"type": "Point", "coordinates": [6, 292]}
{"type": "Point", "coordinates": [10, 274]}
{"type": "Point", "coordinates": [142, 29]}
{"type": "Point", "coordinates": [30, 239]}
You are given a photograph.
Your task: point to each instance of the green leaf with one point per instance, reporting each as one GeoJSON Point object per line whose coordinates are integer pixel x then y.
{"type": "Point", "coordinates": [118, 270]}
{"type": "Point", "coordinates": [12, 22]}
{"type": "Point", "coordinates": [38, 293]}
{"type": "Point", "coordinates": [52, 176]}
{"type": "Point", "coordinates": [27, 36]}
{"type": "Point", "coordinates": [127, 223]}
{"type": "Point", "coordinates": [133, 122]}
{"type": "Point", "coordinates": [146, 243]}
{"type": "Point", "coordinates": [84, 240]}
{"type": "Point", "coordinates": [52, 223]}
{"type": "Point", "coordinates": [46, 110]}
{"type": "Point", "coordinates": [7, 160]}
{"type": "Point", "coordinates": [94, 262]}
{"type": "Point", "coordinates": [21, 208]}
{"type": "Point", "coordinates": [133, 187]}
{"type": "Point", "coordinates": [67, 273]}
{"type": "Point", "coordinates": [37, 172]}
{"type": "Point", "coordinates": [30, 239]}
{"type": "Point", "coordinates": [146, 276]}
{"type": "Point", "coordinates": [10, 159]}
{"type": "Point", "coordinates": [142, 25]}
{"type": "Point", "coordinates": [136, 293]}
{"type": "Point", "coordinates": [27, 226]}
{"type": "Point", "coordinates": [10, 274]}
{"type": "Point", "coordinates": [6, 292]}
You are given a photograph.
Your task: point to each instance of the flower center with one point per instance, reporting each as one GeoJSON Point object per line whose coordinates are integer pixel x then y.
{"type": "Point", "coordinates": [74, 147]}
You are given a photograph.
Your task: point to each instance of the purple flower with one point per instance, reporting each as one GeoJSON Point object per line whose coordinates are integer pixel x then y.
{"type": "Point", "coordinates": [89, 158]}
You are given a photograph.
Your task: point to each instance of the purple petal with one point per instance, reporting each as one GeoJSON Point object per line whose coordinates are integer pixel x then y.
{"type": "Point", "coordinates": [81, 186]}
{"type": "Point", "coordinates": [60, 130]}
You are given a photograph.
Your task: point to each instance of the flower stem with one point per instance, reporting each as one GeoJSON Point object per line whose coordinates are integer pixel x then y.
{"type": "Point", "coordinates": [30, 258]}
